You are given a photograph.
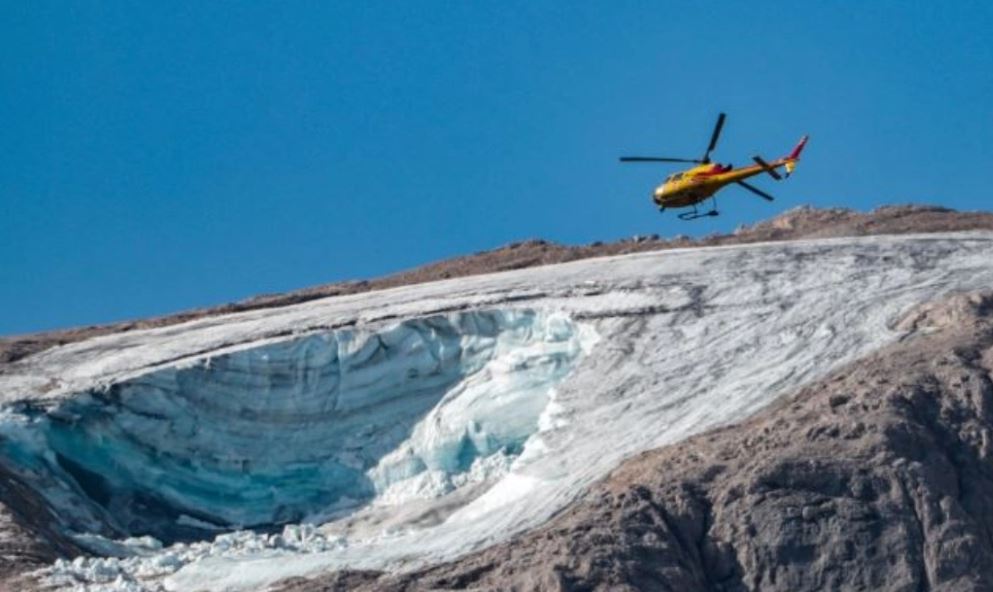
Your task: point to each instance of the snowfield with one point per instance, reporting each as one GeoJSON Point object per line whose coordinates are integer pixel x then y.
{"type": "Point", "coordinates": [391, 429]}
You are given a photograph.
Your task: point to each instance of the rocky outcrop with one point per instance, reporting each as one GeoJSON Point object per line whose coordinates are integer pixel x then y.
{"type": "Point", "coordinates": [29, 538]}
{"type": "Point", "coordinates": [879, 477]}
{"type": "Point", "coordinates": [798, 223]}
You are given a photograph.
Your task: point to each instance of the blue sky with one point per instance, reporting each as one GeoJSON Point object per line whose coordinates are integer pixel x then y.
{"type": "Point", "coordinates": [162, 156]}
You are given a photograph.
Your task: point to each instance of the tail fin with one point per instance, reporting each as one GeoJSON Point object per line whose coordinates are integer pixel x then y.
{"type": "Point", "coordinates": [795, 155]}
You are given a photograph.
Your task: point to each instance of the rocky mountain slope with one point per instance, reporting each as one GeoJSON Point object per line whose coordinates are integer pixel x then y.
{"type": "Point", "coordinates": [877, 477]}
{"type": "Point", "coordinates": [504, 400]}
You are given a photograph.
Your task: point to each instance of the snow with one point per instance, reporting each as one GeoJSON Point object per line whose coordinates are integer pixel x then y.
{"type": "Point", "coordinates": [561, 372]}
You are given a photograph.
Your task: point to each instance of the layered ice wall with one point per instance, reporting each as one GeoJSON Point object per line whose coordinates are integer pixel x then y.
{"type": "Point", "coordinates": [295, 430]}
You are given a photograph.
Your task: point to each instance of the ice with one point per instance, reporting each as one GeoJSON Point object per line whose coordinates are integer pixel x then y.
{"type": "Point", "coordinates": [148, 563]}
{"type": "Point", "coordinates": [280, 433]}
{"type": "Point", "coordinates": [558, 374]}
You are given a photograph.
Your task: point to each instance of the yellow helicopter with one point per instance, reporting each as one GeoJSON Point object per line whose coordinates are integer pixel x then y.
{"type": "Point", "coordinates": [691, 187]}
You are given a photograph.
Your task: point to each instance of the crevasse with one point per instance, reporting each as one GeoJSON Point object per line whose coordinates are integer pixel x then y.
{"type": "Point", "coordinates": [295, 429]}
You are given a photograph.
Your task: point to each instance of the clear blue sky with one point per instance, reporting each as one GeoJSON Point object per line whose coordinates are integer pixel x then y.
{"type": "Point", "coordinates": [158, 156]}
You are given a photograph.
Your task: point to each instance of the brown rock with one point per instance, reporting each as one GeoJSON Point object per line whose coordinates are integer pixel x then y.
{"type": "Point", "coordinates": [903, 502]}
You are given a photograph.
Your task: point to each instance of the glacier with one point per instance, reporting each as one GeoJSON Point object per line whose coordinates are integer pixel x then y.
{"type": "Point", "coordinates": [296, 429]}
{"type": "Point", "coordinates": [412, 425]}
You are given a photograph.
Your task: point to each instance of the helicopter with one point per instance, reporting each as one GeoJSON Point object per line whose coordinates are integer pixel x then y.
{"type": "Point", "coordinates": [694, 186]}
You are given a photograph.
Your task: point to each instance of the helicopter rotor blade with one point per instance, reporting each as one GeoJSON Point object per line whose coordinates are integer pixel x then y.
{"type": "Point", "coordinates": [655, 159]}
{"type": "Point", "coordinates": [756, 191]}
{"type": "Point", "coordinates": [768, 168]}
{"type": "Point", "coordinates": [713, 138]}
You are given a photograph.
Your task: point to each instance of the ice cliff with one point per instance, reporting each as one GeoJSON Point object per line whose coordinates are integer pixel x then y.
{"type": "Point", "coordinates": [295, 429]}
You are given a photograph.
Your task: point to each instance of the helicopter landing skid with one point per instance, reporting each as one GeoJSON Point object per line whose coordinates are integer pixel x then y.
{"type": "Point", "coordinates": [697, 214]}
{"type": "Point", "coordinates": [694, 215]}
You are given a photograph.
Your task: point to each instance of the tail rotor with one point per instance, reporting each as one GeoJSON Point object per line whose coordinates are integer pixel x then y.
{"type": "Point", "coordinates": [794, 155]}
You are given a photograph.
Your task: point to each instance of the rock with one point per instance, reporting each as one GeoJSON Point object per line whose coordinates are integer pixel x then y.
{"type": "Point", "coordinates": [904, 503]}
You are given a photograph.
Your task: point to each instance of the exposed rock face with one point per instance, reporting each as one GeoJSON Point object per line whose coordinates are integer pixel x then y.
{"type": "Point", "coordinates": [798, 223]}
{"type": "Point", "coordinates": [28, 538]}
{"type": "Point", "coordinates": [879, 477]}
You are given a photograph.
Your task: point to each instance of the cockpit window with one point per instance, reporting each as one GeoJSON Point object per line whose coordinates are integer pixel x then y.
{"type": "Point", "coordinates": [677, 176]}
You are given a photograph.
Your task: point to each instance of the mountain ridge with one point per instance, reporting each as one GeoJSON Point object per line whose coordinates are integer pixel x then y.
{"type": "Point", "coordinates": [797, 223]}
{"type": "Point", "coordinates": [842, 448]}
